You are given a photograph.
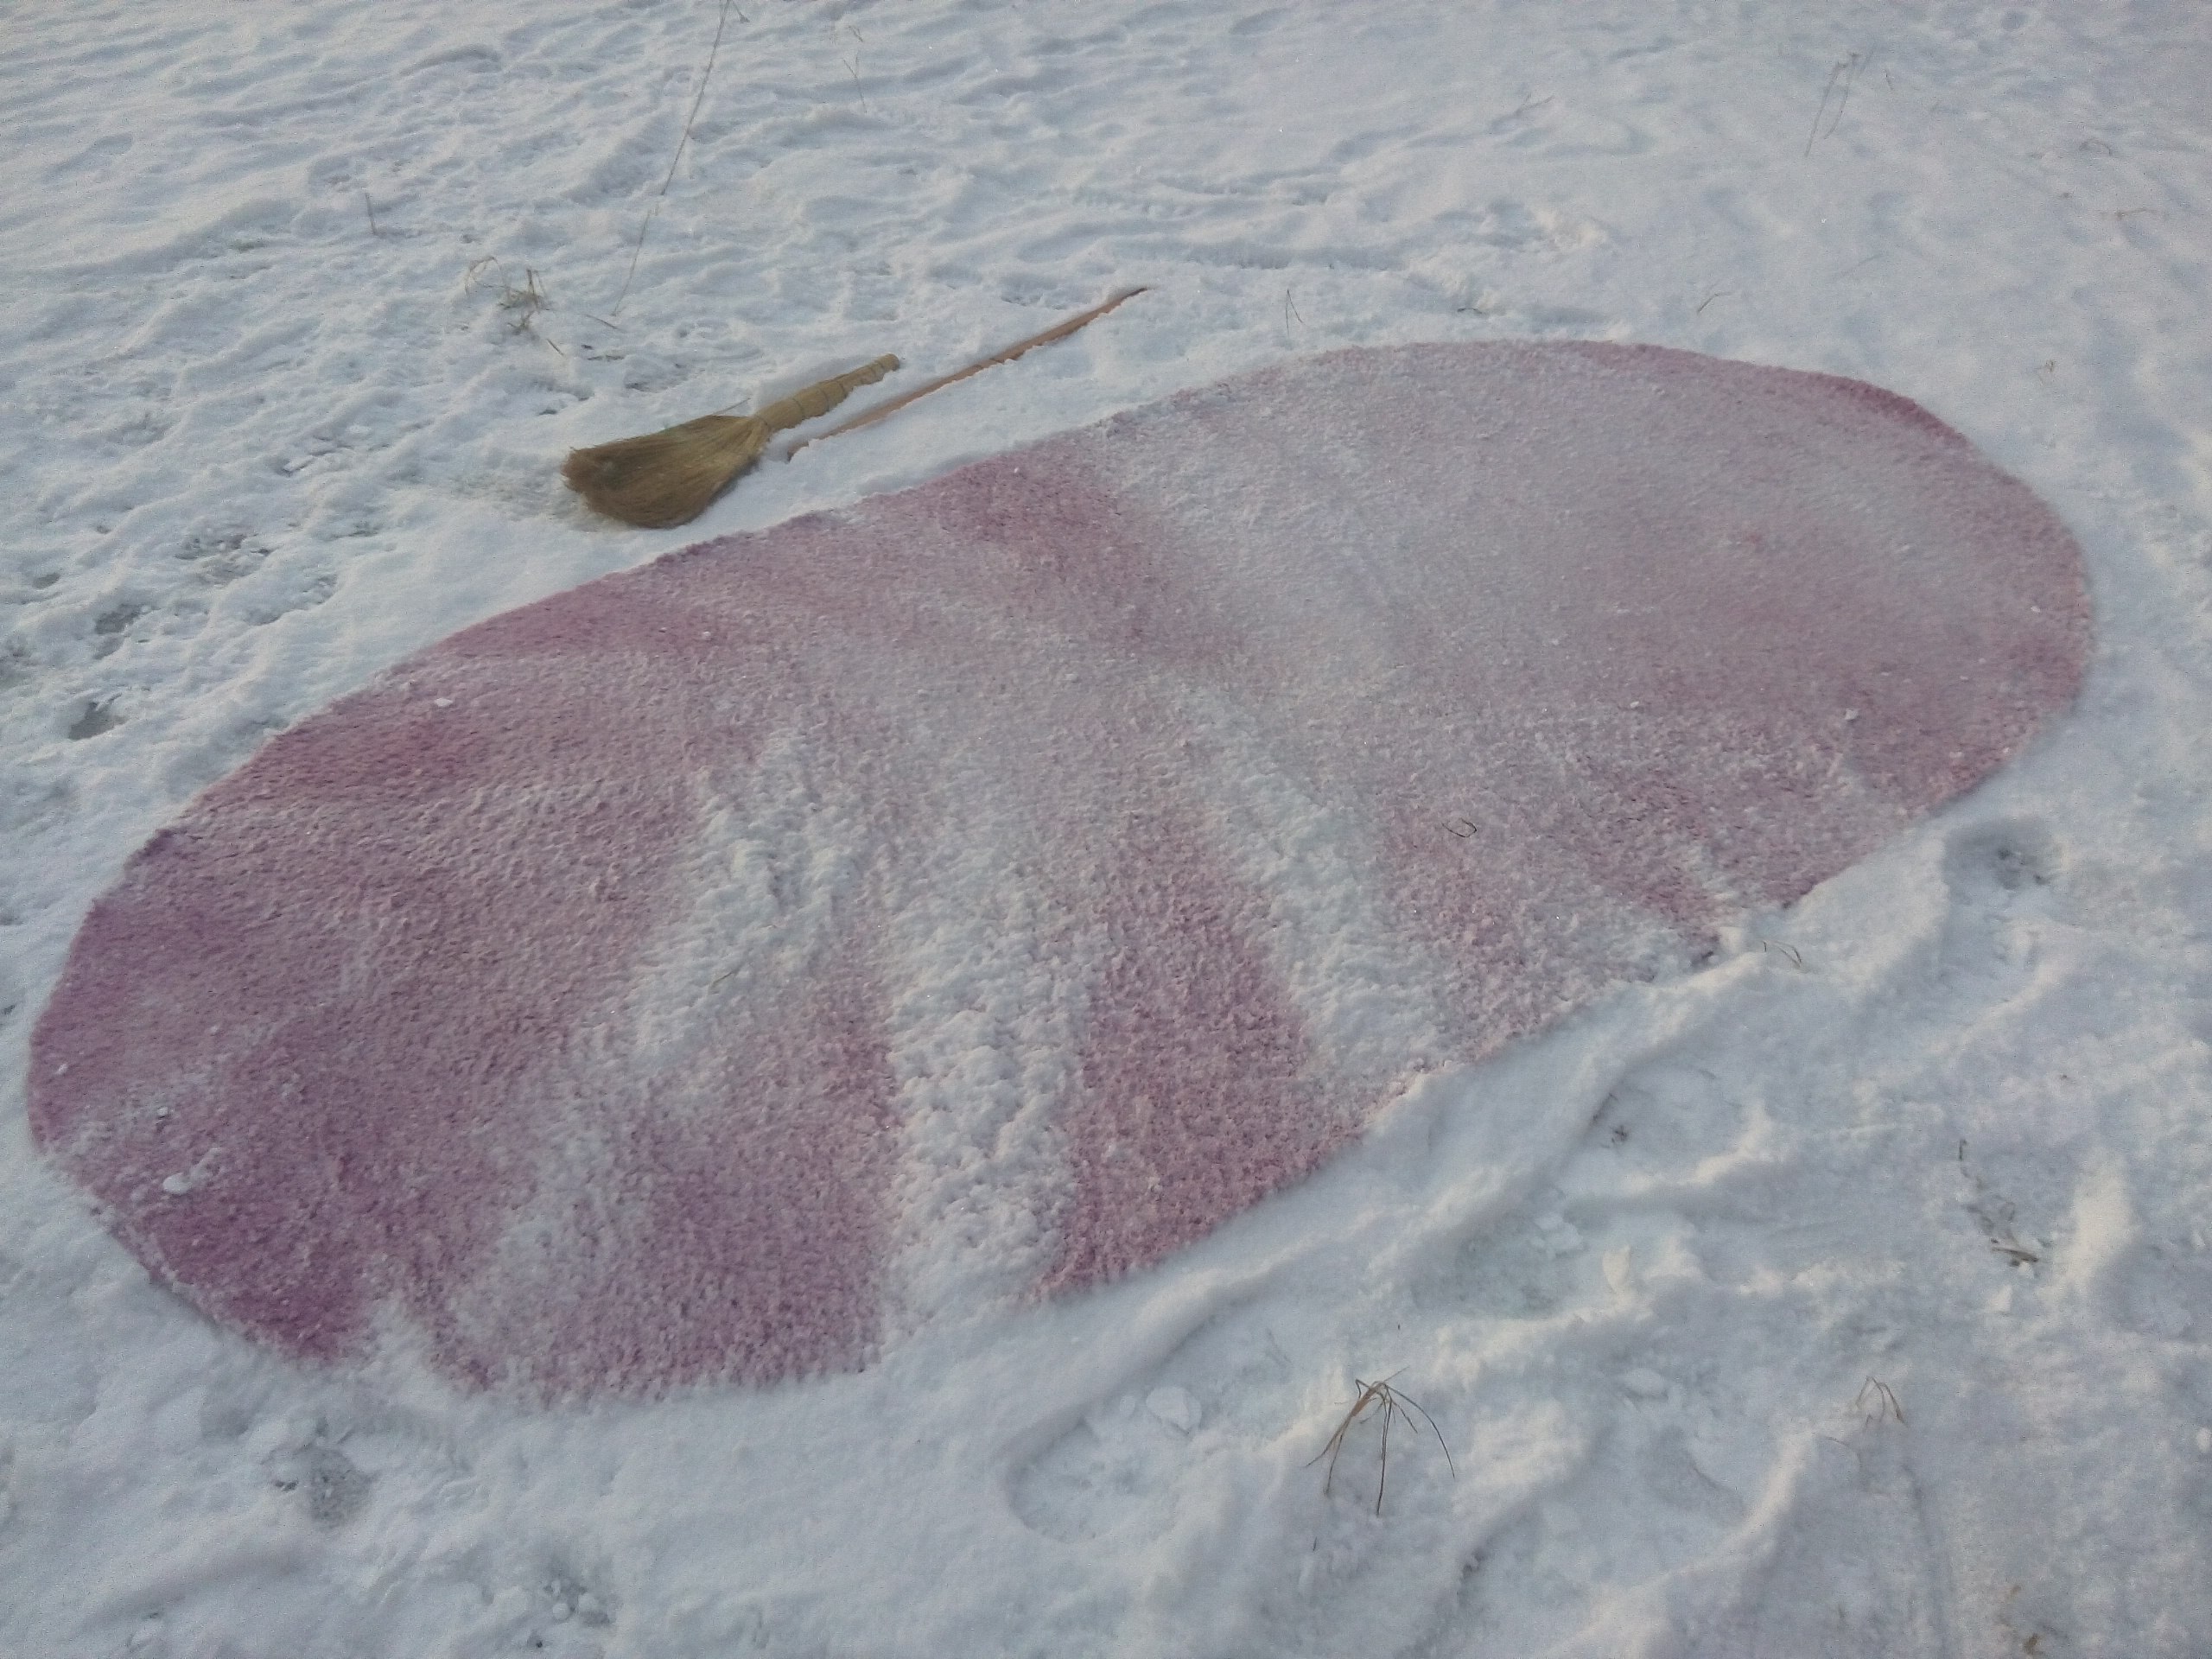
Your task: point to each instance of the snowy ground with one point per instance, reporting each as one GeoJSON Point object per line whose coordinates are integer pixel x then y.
{"type": "Point", "coordinates": [1852, 1298]}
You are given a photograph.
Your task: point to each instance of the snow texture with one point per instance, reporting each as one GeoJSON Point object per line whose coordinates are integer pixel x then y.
{"type": "Point", "coordinates": [601, 994]}
{"type": "Point", "coordinates": [1850, 1294]}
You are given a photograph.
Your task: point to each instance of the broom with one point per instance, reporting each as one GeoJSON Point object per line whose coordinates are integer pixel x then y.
{"type": "Point", "coordinates": [669, 477]}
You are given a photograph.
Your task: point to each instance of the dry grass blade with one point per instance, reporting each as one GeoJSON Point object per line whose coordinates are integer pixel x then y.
{"type": "Point", "coordinates": [671, 476]}
{"type": "Point", "coordinates": [721, 23]}
{"type": "Point", "coordinates": [1394, 1405]}
{"type": "Point", "coordinates": [1885, 1401]}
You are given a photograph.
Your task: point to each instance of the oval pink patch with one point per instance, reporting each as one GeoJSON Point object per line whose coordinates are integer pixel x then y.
{"type": "Point", "coordinates": [712, 970]}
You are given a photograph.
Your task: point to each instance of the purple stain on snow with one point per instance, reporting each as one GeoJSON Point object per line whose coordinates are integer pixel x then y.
{"type": "Point", "coordinates": [562, 1004]}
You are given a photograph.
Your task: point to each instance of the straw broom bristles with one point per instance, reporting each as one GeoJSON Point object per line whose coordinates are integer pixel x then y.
{"type": "Point", "coordinates": [671, 477]}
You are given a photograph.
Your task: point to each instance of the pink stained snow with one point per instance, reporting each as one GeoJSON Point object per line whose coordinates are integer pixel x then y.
{"type": "Point", "coordinates": [579, 1002]}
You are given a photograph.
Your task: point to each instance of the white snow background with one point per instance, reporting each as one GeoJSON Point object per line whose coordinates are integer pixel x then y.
{"type": "Point", "coordinates": [1852, 1296]}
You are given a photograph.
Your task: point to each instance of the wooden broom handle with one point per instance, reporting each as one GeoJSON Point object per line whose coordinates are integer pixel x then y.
{"type": "Point", "coordinates": [1059, 331]}
{"type": "Point", "coordinates": [822, 396]}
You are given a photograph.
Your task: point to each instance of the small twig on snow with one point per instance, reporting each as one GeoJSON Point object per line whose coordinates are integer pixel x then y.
{"type": "Point", "coordinates": [1845, 71]}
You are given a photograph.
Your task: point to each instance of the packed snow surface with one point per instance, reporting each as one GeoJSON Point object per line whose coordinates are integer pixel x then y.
{"type": "Point", "coordinates": [1849, 1294]}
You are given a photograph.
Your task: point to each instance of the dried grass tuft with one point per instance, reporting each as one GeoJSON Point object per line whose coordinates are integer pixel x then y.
{"type": "Point", "coordinates": [671, 476]}
{"type": "Point", "coordinates": [1391, 1405]}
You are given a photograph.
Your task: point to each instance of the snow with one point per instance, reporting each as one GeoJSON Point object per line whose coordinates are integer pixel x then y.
{"type": "Point", "coordinates": [1849, 1295]}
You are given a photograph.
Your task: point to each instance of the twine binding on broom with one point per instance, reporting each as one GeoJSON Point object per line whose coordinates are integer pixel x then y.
{"type": "Point", "coordinates": [875, 412]}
